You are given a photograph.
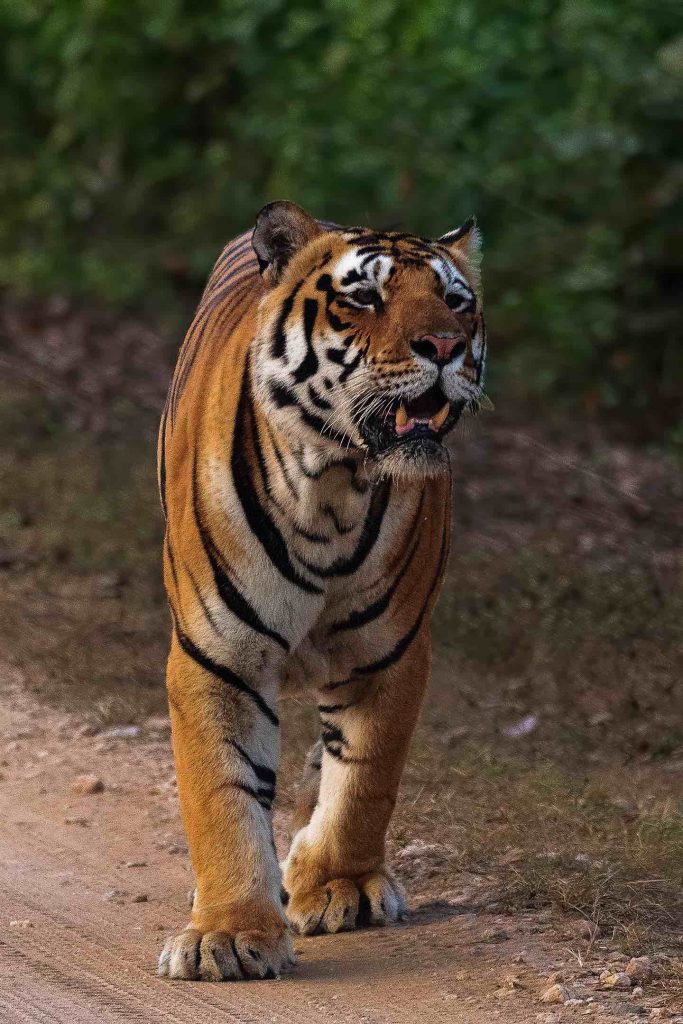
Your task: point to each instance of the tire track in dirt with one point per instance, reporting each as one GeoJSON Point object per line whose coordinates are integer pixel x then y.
{"type": "Point", "coordinates": [83, 959]}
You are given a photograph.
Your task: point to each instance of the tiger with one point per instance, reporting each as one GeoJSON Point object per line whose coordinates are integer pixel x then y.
{"type": "Point", "coordinates": [306, 489]}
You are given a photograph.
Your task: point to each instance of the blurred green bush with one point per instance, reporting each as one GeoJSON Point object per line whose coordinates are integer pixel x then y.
{"type": "Point", "coordinates": [137, 136]}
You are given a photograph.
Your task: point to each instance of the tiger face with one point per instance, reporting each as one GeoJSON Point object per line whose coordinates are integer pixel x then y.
{"type": "Point", "coordinates": [370, 341]}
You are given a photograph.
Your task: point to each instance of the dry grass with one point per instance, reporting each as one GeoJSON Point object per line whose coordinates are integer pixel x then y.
{"type": "Point", "coordinates": [606, 844]}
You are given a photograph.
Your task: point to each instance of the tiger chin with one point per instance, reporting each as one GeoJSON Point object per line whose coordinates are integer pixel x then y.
{"type": "Point", "coordinates": [306, 490]}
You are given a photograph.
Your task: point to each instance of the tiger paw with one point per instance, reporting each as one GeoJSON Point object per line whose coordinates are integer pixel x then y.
{"type": "Point", "coordinates": [222, 956]}
{"type": "Point", "coordinates": [376, 898]}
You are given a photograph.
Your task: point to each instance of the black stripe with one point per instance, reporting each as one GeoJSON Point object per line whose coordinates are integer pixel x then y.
{"type": "Point", "coordinates": [282, 464]}
{"type": "Point", "coordinates": [171, 559]}
{"type": "Point", "coordinates": [188, 353]}
{"type": "Point", "coordinates": [204, 605]}
{"type": "Point", "coordinates": [334, 742]}
{"type": "Point", "coordinates": [404, 643]}
{"type": "Point", "coordinates": [341, 530]}
{"type": "Point", "coordinates": [317, 400]}
{"type": "Point", "coordinates": [263, 801]}
{"type": "Point", "coordinates": [336, 686]}
{"type": "Point", "coordinates": [368, 536]}
{"type": "Point", "coordinates": [324, 284]}
{"type": "Point", "coordinates": [231, 597]}
{"type": "Point", "coordinates": [378, 607]}
{"type": "Point", "coordinates": [283, 397]}
{"type": "Point", "coordinates": [332, 709]}
{"type": "Point", "coordinates": [350, 366]}
{"type": "Point", "coordinates": [218, 288]}
{"type": "Point", "coordinates": [279, 340]}
{"type": "Point", "coordinates": [262, 773]}
{"type": "Point", "coordinates": [360, 486]}
{"type": "Point", "coordinates": [332, 734]}
{"type": "Point", "coordinates": [312, 538]}
{"type": "Point", "coordinates": [223, 673]}
{"type": "Point", "coordinates": [336, 355]}
{"type": "Point", "coordinates": [162, 460]}
{"type": "Point", "coordinates": [482, 357]}
{"type": "Point", "coordinates": [353, 277]}
{"type": "Point", "coordinates": [309, 364]}
{"type": "Point", "coordinates": [372, 249]}
{"type": "Point", "coordinates": [260, 523]}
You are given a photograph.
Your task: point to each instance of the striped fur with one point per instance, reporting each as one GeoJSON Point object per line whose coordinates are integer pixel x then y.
{"type": "Point", "coordinates": [306, 542]}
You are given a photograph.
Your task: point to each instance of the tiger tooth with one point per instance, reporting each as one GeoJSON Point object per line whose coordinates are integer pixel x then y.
{"type": "Point", "coordinates": [438, 421]}
{"type": "Point", "coordinates": [401, 416]}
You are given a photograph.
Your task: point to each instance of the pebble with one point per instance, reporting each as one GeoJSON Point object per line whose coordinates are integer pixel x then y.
{"type": "Point", "coordinates": [83, 822]}
{"type": "Point", "coordinates": [115, 896]}
{"type": "Point", "coordinates": [158, 723]}
{"type": "Point", "coordinates": [556, 994]}
{"type": "Point", "coordinates": [640, 969]}
{"type": "Point", "coordinates": [511, 856]}
{"type": "Point", "coordinates": [87, 784]}
{"type": "Point", "coordinates": [494, 935]}
{"type": "Point", "coordinates": [25, 923]}
{"type": "Point", "coordinates": [637, 992]}
{"type": "Point", "coordinates": [122, 732]}
{"type": "Point", "coordinates": [135, 864]}
{"type": "Point", "coordinates": [616, 981]}
{"type": "Point", "coordinates": [141, 897]}
{"type": "Point", "coordinates": [419, 848]}
{"type": "Point", "coordinates": [524, 727]}
{"type": "Point", "coordinates": [86, 730]}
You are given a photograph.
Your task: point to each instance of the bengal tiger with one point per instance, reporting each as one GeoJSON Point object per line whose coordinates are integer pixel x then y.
{"type": "Point", "coordinates": [306, 489]}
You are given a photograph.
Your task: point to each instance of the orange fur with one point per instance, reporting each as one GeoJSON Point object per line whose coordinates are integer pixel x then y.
{"type": "Point", "coordinates": [302, 546]}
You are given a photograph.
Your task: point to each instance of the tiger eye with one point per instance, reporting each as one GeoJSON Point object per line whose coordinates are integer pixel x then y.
{"type": "Point", "coordinates": [365, 296]}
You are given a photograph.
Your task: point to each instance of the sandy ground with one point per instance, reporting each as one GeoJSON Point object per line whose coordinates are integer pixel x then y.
{"type": "Point", "coordinates": [90, 885]}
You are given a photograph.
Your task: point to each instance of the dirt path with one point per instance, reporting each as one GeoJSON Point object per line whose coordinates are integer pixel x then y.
{"type": "Point", "coordinates": [91, 884]}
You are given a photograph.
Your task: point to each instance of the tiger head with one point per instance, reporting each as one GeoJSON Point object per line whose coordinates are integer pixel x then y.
{"type": "Point", "coordinates": [372, 341]}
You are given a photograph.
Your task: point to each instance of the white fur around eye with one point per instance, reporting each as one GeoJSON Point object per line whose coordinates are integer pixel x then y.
{"type": "Point", "coordinates": [459, 299]}
{"type": "Point", "coordinates": [375, 271]}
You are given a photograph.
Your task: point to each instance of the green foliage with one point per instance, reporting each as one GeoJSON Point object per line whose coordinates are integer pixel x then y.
{"type": "Point", "coordinates": [138, 136]}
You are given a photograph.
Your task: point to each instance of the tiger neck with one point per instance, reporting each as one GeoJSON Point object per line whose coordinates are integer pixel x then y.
{"type": "Point", "coordinates": [322, 489]}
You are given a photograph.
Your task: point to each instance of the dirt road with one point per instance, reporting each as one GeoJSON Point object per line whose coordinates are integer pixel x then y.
{"type": "Point", "coordinates": [91, 884]}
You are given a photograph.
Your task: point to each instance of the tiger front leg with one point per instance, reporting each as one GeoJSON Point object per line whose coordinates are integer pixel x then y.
{"type": "Point", "coordinates": [336, 875]}
{"type": "Point", "coordinates": [225, 742]}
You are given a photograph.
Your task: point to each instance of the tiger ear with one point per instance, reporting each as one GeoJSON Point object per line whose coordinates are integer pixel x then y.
{"type": "Point", "coordinates": [465, 241]}
{"type": "Point", "coordinates": [282, 229]}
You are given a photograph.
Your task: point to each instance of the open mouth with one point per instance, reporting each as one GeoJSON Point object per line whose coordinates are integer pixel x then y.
{"type": "Point", "coordinates": [428, 410]}
{"type": "Point", "coordinates": [421, 420]}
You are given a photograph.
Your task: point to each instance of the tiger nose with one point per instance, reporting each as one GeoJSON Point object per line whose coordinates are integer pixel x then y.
{"type": "Point", "coordinates": [438, 349]}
